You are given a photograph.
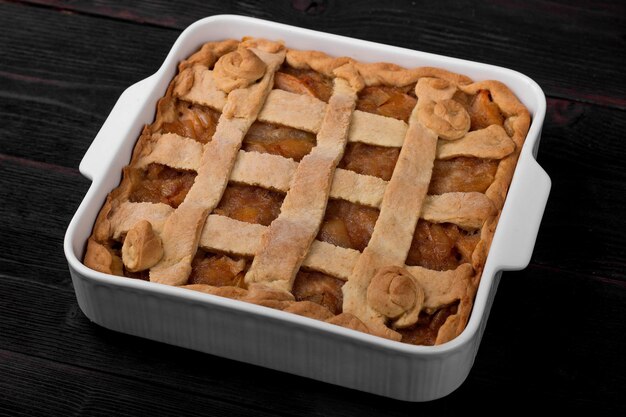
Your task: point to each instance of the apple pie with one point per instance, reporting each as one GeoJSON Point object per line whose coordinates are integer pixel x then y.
{"type": "Point", "coordinates": [365, 195]}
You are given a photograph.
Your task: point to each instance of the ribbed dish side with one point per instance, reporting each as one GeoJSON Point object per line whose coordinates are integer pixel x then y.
{"type": "Point", "coordinates": [273, 344]}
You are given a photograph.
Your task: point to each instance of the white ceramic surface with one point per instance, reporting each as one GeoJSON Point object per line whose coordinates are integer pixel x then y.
{"type": "Point", "coordinates": [272, 338]}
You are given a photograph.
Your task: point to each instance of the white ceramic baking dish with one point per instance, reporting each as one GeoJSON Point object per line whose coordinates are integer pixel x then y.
{"type": "Point", "coordinates": [271, 338]}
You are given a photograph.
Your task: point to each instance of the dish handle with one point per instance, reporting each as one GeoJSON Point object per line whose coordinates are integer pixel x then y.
{"type": "Point", "coordinates": [516, 235]}
{"type": "Point", "coordinates": [111, 137]}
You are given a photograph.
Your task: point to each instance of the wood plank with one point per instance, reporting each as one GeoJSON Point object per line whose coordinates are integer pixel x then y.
{"type": "Point", "coordinates": [581, 33]}
{"type": "Point", "coordinates": [557, 326]}
{"type": "Point", "coordinates": [35, 386]}
{"type": "Point", "coordinates": [583, 151]}
{"type": "Point", "coordinates": [523, 342]}
{"type": "Point", "coordinates": [57, 85]}
{"type": "Point", "coordinates": [38, 201]}
{"type": "Point", "coordinates": [63, 66]}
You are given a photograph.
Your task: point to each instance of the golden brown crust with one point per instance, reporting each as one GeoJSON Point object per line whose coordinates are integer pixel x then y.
{"type": "Point", "coordinates": [181, 233]}
{"type": "Point", "coordinates": [235, 293]}
{"type": "Point", "coordinates": [447, 118]}
{"type": "Point", "coordinates": [467, 210]}
{"type": "Point", "coordinates": [455, 324]}
{"type": "Point", "coordinates": [394, 75]}
{"type": "Point", "coordinates": [393, 233]}
{"type": "Point", "coordinates": [99, 258]}
{"type": "Point", "coordinates": [376, 130]}
{"type": "Point", "coordinates": [238, 69]}
{"type": "Point", "coordinates": [379, 73]}
{"type": "Point", "coordinates": [142, 247]}
{"type": "Point", "coordinates": [198, 85]}
{"type": "Point", "coordinates": [286, 242]}
{"type": "Point", "coordinates": [102, 228]}
{"type": "Point", "coordinates": [489, 143]}
{"type": "Point", "coordinates": [172, 150]}
{"type": "Point", "coordinates": [357, 188]}
{"type": "Point", "coordinates": [267, 297]}
{"type": "Point", "coordinates": [436, 89]}
{"type": "Point", "coordinates": [294, 110]}
{"type": "Point", "coordinates": [516, 124]}
{"type": "Point", "coordinates": [208, 54]}
{"type": "Point", "coordinates": [233, 88]}
{"type": "Point", "coordinates": [349, 321]}
{"type": "Point", "coordinates": [315, 60]}
{"type": "Point", "coordinates": [395, 294]}
{"type": "Point", "coordinates": [306, 113]}
{"type": "Point", "coordinates": [310, 310]}
{"type": "Point", "coordinates": [442, 288]}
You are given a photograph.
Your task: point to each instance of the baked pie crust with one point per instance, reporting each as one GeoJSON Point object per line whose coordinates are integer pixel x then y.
{"type": "Point", "coordinates": [362, 194]}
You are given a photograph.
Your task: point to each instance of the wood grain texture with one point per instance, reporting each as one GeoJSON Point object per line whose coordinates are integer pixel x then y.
{"type": "Point", "coordinates": [38, 201]}
{"type": "Point", "coordinates": [35, 386]}
{"type": "Point", "coordinates": [58, 83]}
{"type": "Point", "coordinates": [510, 33]}
{"type": "Point", "coordinates": [584, 153]}
{"type": "Point", "coordinates": [556, 332]}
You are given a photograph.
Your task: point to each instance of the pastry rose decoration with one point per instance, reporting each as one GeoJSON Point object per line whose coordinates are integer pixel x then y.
{"type": "Point", "coordinates": [395, 294]}
{"type": "Point", "coordinates": [238, 69]}
{"type": "Point", "coordinates": [142, 248]}
{"type": "Point", "coordinates": [434, 89]}
{"type": "Point", "coordinates": [448, 118]}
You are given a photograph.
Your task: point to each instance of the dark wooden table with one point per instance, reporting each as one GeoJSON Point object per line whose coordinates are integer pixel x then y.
{"type": "Point", "coordinates": [557, 331]}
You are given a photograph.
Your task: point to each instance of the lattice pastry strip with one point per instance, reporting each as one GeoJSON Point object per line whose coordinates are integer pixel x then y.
{"type": "Point", "coordinates": [293, 110]}
{"type": "Point", "coordinates": [306, 113]}
{"type": "Point", "coordinates": [284, 108]}
{"type": "Point", "coordinates": [442, 287]}
{"type": "Point", "coordinates": [393, 233]}
{"type": "Point", "coordinates": [369, 293]}
{"type": "Point", "coordinates": [181, 232]}
{"type": "Point", "coordinates": [264, 170]}
{"type": "Point", "coordinates": [286, 242]}
{"type": "Point", "coordinates": [179, 152]}
{"type": "Point", "coordinates": [223, 234]}
{"type": "Point", "coordinates": [468, 210]}
{"type": "Point", "coordinates": [197, 85]}
{"type": "Point", "coordinates": [226, 235]}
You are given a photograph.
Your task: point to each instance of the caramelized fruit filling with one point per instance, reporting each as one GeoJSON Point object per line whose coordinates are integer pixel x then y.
{"type": "Point", "coordinates": [388, 101]}
{"type": "Point", "coordinates": [217, 270]}
{"type": "Point", "coordinates": [425, 331]}
{"type": "Point", "coordinates": [143, 275]}
{"type": "Point", "coordinates": [306, 82]}
{"type": "Point", "coordinates": [192, 121]}
{"type": "Point", "coordinates": [376, 161]}
{"type": "Point", "coordinates": [319, 288]}
{"type": "Point", "coordinates": [250, 204]}
{"type": "Point", "coordinates": [160, 184]}
{"type": "Point", "coordinates": [441, 246]}
{"type": "Point", "coordinates": [483, 111]}
{"type": "Point", "coordinates": [348, 225]}
{"type": "Point", "coordinates": [462, 174]}
{"type": "Point", "coordinates": [278, 140]}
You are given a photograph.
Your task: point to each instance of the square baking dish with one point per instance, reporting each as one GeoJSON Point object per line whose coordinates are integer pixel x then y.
{"type": "Point", "coordinates": [275, 339]}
